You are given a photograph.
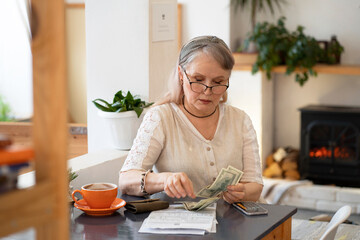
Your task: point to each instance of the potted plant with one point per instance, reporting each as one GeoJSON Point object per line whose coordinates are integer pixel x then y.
{"type": "Point", "coordinates": [334, 51]}
{"type": "Point", "coordinates": [124, 116]}
{"type": "Point", "coordinates": [277, 46]}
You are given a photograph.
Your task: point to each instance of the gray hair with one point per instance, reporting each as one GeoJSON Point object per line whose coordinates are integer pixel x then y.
{"type": "Point", "coordinates": [210, 45]}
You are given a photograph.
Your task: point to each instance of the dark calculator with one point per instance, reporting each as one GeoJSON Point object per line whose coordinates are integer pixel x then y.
{"type": "Point", "coordinates": [250, 208]}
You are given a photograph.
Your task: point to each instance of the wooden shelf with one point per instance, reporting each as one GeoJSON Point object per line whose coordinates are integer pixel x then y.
{"type": "Point", "coordinates": [242, 67]}
{"type": "Point", "coordinates": [75, 5]}
{"type": "Point", "coordinates": [21, 134]}
{"type": "Point", "coordinates": [320, 68]}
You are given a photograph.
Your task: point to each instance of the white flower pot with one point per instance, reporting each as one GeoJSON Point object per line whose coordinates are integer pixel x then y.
{"type": "Point", "coordinates": [123, 127]}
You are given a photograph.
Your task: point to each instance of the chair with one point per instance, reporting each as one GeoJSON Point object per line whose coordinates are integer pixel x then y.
{"type": "Point", "coordinates": [339, 217]}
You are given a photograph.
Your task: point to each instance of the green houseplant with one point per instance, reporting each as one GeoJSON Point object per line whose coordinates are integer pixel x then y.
{"type": "Point", "coordinates": [334, 51]}
{"type": "Point", "coordinates": [5, 111]}
{"type": "Point", "coordinates": [277, 46]}
{"type": "Point", "coordinates": [123, 117]}
{"type": "Point", "coordinates": [122, 103]}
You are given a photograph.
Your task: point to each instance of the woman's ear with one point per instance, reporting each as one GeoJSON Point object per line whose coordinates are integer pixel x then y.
{"type": "Point", "coordinates": [180, 75]}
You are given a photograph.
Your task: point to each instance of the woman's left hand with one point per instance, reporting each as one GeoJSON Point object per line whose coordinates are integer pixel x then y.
{"type": "Point", "coordinates": [234, 193]}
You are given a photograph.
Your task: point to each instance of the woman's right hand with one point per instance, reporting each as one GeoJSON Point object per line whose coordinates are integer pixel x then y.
{"type": "Point", "coordinates": [178, 185]}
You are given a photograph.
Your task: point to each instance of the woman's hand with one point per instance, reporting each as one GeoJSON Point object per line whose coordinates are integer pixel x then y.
{"type": "Point", "coordinates": [178, 185]}
{"type": "Point", "coordinates": [244, 191]}
{"type": "Point", "coordinates": [234, 193]}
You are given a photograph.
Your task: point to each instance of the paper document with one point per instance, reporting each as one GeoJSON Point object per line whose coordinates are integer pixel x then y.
{"type": "Point", "coordinates": [175, 220]}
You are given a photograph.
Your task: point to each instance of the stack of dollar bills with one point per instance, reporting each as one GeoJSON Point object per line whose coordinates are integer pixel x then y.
{"type": "Point", "coordinates": [211, 193]}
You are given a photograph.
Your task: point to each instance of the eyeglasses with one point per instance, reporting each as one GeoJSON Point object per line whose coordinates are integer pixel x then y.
{"type": "Point", "coordinates": [201, 88]}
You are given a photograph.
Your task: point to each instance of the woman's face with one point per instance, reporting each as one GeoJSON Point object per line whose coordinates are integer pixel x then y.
{"type": "Point", "coordinates": [206, 70]}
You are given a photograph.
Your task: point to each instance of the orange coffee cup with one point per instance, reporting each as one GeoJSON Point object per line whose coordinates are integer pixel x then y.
{"type": "Point", "coordinates": [97, 195]}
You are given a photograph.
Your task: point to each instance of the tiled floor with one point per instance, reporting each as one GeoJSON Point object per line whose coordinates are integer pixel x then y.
{"type": "Point", "coordinates": [307, 214]}
{"type": "Point", "coordinates": [313, 230]}
{"type": "Point", "coordinates": [302, 229]}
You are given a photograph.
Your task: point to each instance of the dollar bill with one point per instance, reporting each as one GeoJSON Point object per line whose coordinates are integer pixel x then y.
{"type": "Point", "coordinates": [197, 206]}
{"type": "Point", "coordinates": [206, 193]}
{"type": "Point", "coordinates": [227, 176]}
{"type": "Point", "coordinates": [238, 172]}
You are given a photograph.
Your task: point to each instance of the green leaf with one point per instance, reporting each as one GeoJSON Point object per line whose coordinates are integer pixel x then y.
{"type": "Point", "coordinates": [138, 111]}
{"type": "Point", "coordinates": [5, 111]}
{"type": "Point", "coordinates": [129, 96]}
{"type": "Point", "coordinates": [268, 75]}
{"type": "Point", "coordinates": [116, 105]}
{"type": "Point", "coordinates": [255, 68]}
{"type": "Point", "coordinates": [148, 104]}
{"type": "Point", "coordinates": [106, 108]}
{"type": "Point", "coordinates": [71, 175]}
{"type": "Point", "coordinates": [123, 109]}
{"type": "Point", "coordinates": [137, 102]}
{"type": "Point", "coordinates": [118, 96]}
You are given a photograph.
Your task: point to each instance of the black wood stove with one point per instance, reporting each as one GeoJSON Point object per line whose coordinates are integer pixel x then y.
{"type": "Point", "coordinates": [330, 145]}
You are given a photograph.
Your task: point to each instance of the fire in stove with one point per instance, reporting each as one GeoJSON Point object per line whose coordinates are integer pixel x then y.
{"type": "Point", "coordinates": [324, 152]}
{"type": "Point", "coordinates": [330, 145]}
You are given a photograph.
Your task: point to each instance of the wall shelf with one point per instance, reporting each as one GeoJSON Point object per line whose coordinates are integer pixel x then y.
{"type": "Point", "coordinates": [320, 68]}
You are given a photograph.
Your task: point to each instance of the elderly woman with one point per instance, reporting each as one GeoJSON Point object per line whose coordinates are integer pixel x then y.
{"type": "Point", "coordinates": [191, 134]}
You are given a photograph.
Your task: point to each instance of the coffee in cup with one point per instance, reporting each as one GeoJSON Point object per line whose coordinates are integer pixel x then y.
{"type": "Point", "coordinates": [97, 195]}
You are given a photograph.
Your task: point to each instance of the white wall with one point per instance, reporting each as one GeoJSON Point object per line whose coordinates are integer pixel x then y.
{"type": "Point", "coordinates": [115, 36]}
{"type": "Point", "coordinates": [205, 17]}
{"type": "Point", "coordinates": [241, 95]}
{"type": "Point", "coordinates": [121, 56]}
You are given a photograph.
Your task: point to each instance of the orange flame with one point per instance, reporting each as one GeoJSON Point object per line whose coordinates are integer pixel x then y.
{"type": "Point", "coordinates": [324, 152]}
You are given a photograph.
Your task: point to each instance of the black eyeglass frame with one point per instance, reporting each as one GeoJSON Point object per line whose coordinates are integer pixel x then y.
{"type": "Point", "coordinates": [206, 86]}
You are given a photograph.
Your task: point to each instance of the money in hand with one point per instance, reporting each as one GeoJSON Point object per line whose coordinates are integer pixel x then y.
{"type": "Point", "coordinates": [227, 176]}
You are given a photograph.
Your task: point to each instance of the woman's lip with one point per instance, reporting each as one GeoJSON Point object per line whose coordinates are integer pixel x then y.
{"type": "Point", "coordinates": [204, 100]}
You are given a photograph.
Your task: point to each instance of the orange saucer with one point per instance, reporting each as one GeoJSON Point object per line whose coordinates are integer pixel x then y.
{"type": "Point", "coordinates": [117, 204]}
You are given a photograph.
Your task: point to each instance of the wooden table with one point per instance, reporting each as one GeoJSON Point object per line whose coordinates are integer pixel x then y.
{"type": "Point", "coordinates": [232, 224]}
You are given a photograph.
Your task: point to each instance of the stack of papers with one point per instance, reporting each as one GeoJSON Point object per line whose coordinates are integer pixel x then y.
{"type": "Point", "coordinates": [177, 220]}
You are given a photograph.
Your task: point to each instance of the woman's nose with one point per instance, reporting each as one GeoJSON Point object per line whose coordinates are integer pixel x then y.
{"type": "Point", "coordinates": [208, 91]}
